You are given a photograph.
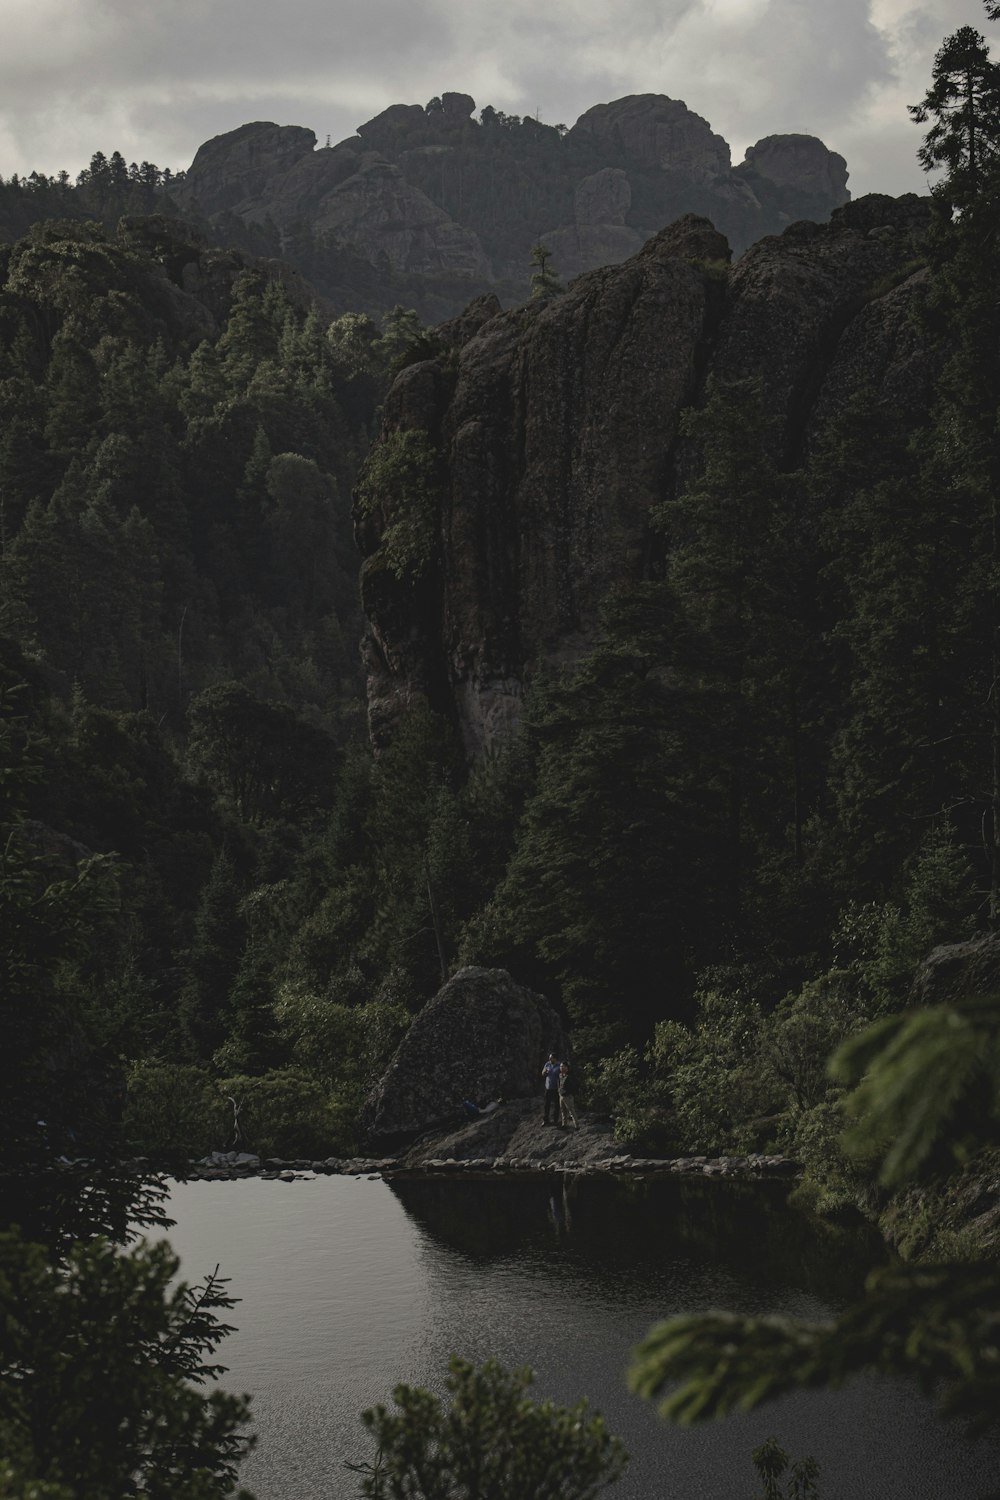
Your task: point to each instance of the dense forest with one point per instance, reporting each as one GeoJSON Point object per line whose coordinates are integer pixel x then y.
{"type": "Point", "coordinates": [759, 800]}
{"type": "Point", "coordinates": [721, 843]}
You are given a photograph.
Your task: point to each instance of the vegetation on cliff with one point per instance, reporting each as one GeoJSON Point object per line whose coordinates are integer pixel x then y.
{"type": "Point", "coordinates": [723, 840]}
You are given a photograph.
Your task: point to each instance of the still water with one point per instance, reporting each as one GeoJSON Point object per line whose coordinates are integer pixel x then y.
{"type": "Point", "coordinates": [349, 1286]}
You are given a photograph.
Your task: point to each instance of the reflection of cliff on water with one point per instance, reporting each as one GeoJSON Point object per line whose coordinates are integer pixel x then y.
{"type": "Point", "coordinates": [616, 1224]}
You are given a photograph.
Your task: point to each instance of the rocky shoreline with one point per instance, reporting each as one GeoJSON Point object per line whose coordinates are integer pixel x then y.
{"type": "Point", "coordinates": [222, 1166]}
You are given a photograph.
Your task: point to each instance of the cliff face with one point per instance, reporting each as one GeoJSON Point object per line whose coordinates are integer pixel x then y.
{"type": "Point", "coordinates": [554, 434]}
{"type": "Point", "coordinates": [432, 193]}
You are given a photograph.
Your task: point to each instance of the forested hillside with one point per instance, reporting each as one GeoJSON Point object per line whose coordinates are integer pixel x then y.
{"type": "Point", "coordinates": [678, 597]}
{"type": "Point", "coordinates": [681, 602]}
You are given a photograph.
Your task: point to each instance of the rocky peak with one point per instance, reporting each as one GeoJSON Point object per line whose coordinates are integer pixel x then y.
{"type": "Point", "coordinates": [456, 109]}
{"type": "Point", "coordinates": [801, 162]}
{"type": "Point", "coordinates": [239, 165]}
{"type": "Point", "coordinates": [657, 132]}
{"type": "Point", "coordinates": [398, 119]}
{"type": "Point", "coordinates": [451, 205]}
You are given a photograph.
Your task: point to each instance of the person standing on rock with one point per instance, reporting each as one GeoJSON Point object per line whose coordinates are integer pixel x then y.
{"type": "Point", "coordinates": [566, 1089]}
{"type": "Point", "coordinates": [550, 1077]}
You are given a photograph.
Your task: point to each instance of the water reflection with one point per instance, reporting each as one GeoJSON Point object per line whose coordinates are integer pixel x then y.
{"type": "Point", "coordinates": [622, 1226]}
{"type": "Point", "coordinates": [56, 1206]}
{"type": "Point", "coordinates": [349, 1286]}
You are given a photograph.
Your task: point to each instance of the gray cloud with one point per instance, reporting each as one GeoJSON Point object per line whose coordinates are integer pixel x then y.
{"type": "Point", "coordinates": [156, 79]}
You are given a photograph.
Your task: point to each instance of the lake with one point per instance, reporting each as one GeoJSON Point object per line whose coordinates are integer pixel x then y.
{"type": "Point", "coordinates": [350, 1285]}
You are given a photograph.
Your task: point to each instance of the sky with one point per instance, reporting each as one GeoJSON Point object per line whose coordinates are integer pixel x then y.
{"type": "Point", "coordinates": [155, 78]}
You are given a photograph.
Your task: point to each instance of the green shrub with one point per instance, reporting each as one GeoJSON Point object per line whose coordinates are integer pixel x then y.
{"type": "Point", "coordinates": [174, 1108]}
{"type": "Point", "coordinates": [491, 1441]}
{"type": "Point", "coordinates": [400, 484]}
{"type": "Point", "coordinates": [286, 1113]}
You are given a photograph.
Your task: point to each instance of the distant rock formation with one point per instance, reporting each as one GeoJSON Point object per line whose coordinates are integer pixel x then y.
{"type": "Point", "coordinates": [800, 162]}
{"type": "Point", "coordinates": [453, 205]}
{"type": "Point", "coordinates": [599, 235]}
{"type": "Point", "coordinates": [558, 434]}
{"type": "Point", "coordinates": [235, 169]}
{"type": "Point", "coordinates": [657, 132]}
{"type": "Point", "coordinates": [482, 1037]}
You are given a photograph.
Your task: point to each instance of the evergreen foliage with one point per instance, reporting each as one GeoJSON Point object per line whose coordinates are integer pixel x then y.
{"type": "Point", "coordinates": [490, 1440]}
{"type": "Point", "coordinates": [102, 1358]}
{"type": "Point", "coordinates": [544, 281]}
{"type": "Point", "coordinates": [964, 104]}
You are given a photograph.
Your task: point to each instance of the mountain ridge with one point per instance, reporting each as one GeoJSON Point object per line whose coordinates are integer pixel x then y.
{"type": "Point", "coordinates": [456, 204]}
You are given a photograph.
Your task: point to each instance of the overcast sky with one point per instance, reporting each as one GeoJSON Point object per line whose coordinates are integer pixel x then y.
{"type": "Point", "coordinates": [155, 78]}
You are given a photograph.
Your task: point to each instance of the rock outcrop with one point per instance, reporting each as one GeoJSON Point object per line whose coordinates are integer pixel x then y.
{"type": "Point", "coordinates": [482, 1037]}
{"type": "Point", "coordinates": [657, 132]}
{"type": "Point", "coordinates": [237, 168]}
{"type": "Point", "coordinates": [516, 1130]}
{"type": "Point", "coordinates": [556, 436]}
{"type": "Point", "coordinates": [456, 204]}
{"type": "Point", "coordinates": [800, 162]}
{"type": "Point", "coordinates": [379, 213]}
{"type": "Point", "coordinates": [599, 236]}
{"type": "Point", "coordinates": [957, 971]}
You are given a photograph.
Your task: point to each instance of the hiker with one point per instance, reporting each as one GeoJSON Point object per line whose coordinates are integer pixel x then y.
{"type": "Point", "coordinates": [566, 1090]}
{"type": "Point", "coordinates": [550, 1076]}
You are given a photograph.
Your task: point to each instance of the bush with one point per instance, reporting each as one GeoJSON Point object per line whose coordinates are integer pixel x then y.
{"type": "Point", "coordinates": [491, 1441]}
{"type": "Point", "coordinates": [174, 1108]}
{"type": "Point", "coordinates": [102, 1358]}
{"type": "Point", "coordinates": [285, 1113]}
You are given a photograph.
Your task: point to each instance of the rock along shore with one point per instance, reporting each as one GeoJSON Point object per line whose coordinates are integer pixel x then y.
{"type": "Point", "coordinates": [233, 1165]}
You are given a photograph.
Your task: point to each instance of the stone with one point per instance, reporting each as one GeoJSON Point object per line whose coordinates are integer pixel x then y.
{"type": "Point", "coordinates": [628, 167]}
{"type": "Point", "coordinates": [956, 971]}
{"type": "Point", "coordinates": [381, 214]}
{"type": "Point", "coordinates": [559, 472]}
{"type": "Point", "coordinates": [482, 1037]}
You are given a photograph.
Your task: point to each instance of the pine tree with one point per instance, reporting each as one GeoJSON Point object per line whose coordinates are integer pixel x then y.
{"type": "Point", "coordinates": [963, 103]}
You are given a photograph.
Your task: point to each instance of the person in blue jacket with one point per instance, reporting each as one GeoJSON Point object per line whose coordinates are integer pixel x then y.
{"type": "Point", "coordinates": [550, 1077]}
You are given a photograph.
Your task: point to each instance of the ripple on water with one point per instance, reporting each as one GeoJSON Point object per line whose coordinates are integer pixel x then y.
{"type": "Point", "coordinates": [349, 1286]}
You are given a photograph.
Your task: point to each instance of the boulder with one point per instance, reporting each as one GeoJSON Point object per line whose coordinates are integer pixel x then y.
{"type": "Point", "coordinates": [482, 1037]}
{"type": "Point", "coordinates": [958, 970]}
{"type": "Point", "coordinates": [396, 121]}
{"type": "Point", "coordinates": [456, 109]}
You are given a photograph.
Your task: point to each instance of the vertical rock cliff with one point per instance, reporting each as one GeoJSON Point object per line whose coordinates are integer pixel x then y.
{"type": "Point", "coordinates": [549, 433]}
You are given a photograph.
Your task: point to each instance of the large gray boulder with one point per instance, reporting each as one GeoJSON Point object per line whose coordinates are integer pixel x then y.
{"type": "Point", "coordinates": [958, 971]}
{"type": "Point", "coordinates": [482, 1037]}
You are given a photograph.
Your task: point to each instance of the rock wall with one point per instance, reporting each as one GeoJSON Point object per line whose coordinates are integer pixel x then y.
{"type": "Point", "coordinates": [555, 427]}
